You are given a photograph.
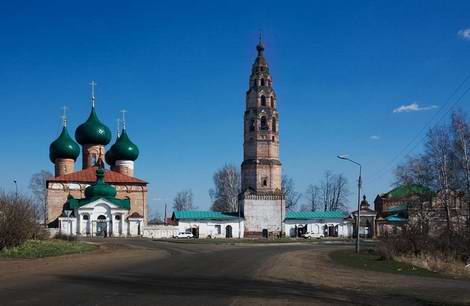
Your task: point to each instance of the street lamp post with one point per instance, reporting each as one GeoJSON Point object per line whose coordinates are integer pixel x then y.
{"type": "Point", "coordinates": [359, 183]}
{"type": "Point", "coordinates": [16, 189]}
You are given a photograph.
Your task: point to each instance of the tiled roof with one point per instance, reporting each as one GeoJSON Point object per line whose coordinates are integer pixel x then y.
{"type": "Point", "coordinates": [203, 215]}
{"type": "Point", "coordinates": [135, 215]}
{"type": "Point", "coordinates": [302, 215]}
{"type": "Point", "coordinates": [89, 176]}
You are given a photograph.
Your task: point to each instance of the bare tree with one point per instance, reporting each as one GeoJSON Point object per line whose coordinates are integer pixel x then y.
{"type": "Point", "coordinates": [333, 191]}
{"type": "Point", "coordinates": [17, 220]}
{"type": "Point", "coordinates": [461, 137]}
{"type": "Point", "coordinates": [291, 196]}
{"type": "Point", "coordinates": [441, 159]}
{"type": "Point", "coordinates": [184, 200]}
{"type": "Point", "coordinates": [227, 186]}
{"type": "Point", "coordinates": [39, 190]}
{"type": "Point", "coordinates": [312, 198]}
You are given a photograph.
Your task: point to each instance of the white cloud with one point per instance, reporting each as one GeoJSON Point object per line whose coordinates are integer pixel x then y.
{"type": "Point", "coordinates": [413, 107]}
{"type": "Point", "coordinates": [374, 137]}
{"type": "Point", "coordinates": [464, 34]}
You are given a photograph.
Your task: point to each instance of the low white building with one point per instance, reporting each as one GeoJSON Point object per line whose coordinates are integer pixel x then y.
{"type": "Point", "coordinates": [209, 224]}
{"type": "Point", "coordinates": [323, 223]}
{"type": "Point", "coordinates": [100, 213]}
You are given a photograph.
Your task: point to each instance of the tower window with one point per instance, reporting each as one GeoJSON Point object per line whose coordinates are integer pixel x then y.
{"type": "Point", "coordinates": [262, 82]}
{"type": "Point", "coordinates": [252, 125]}
{"type": "Point", "coordinates": [264, 123]}
{"type": "Point", "coordinates": [272, 102]}
{"type": "Point", "coordinates": [263, 101]}
{"type": "Point", "coordinates": [265, 182]}
{"type": "Point", "coordinates": [274, 139]}
{"type": "Point", "coordinates": [274, 125]}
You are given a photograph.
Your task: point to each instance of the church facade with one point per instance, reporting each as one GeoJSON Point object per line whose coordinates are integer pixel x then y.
{"type": "Point", "coordinates": [94, 200]}
{"type": "Point", "coordinates": [261, 200]}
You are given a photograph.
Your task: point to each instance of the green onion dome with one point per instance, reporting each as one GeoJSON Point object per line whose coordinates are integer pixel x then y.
{"type": "Point", "coordinates": [93, 131]}
{"type": "Point", "coordinates": [123, 149]}
{"type": "Point", "coordinates": [64, 147]}
{"type": "Point", "coordinates": [100, 189]}
{"type": "Point", "coordinates": [109, 157]}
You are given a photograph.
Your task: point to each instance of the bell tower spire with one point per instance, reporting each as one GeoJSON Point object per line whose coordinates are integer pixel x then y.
{"type": "Point", "coordinates": [261, 198]}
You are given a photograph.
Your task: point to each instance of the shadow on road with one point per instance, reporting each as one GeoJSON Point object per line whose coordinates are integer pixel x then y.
{"type": "Point", "coordinates": [190, 287]}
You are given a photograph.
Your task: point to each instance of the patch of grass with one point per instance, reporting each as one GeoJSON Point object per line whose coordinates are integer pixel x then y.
{"type": "Point", "coordinates": [369, 260]}
{"type": "Point", "coordinates": [46, 248]}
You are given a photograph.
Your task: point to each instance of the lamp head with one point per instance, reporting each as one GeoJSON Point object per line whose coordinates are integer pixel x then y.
{"type": "Point", "coordinates": [343, 156]}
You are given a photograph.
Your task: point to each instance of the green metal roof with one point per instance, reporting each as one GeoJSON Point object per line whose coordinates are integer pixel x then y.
{"type": "Point", "coordinates": [408, 190]}
{"type": "Point", "coordinates": [98, 190]}
{"type": "Point", "coordinates": [93, 131]}
{"type": "Point", "coordinates": [395, 218]}
{"type": "Point", "coordinates": [122, 149]}
{"type": "Point", "coordinates": [297, 215]}
{"type": "Point", "coordinates": [73, 203]}
{"type": "Point", "coordinates": [203, 215]}
{"type": "Point", "coordinates": [64, 147]}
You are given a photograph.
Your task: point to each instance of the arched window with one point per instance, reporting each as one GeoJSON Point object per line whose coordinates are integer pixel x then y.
{"type": "Point", "coordinates": [264, 123]}
{"type": "Point", "coordinates": [93, 159]}
{"type": "Point", "coordinates": [252, 125]}
{"type": "Point", "coordinates": [265, 182]}
{"type": "Point", "coordinates": [263, 101]}
{"type": "Point", "coordinates": [117, 217]}
{"type": "Point", "coordinates": [101, 217]}
{"type": "Point", "coordinates": [272, 101]}
{"type": "Point", "coordinates": [274, 125]}
{"type": "Point", "coordinates": [86, 217]}
{"type": "Point", "coordinates": [262, 82]}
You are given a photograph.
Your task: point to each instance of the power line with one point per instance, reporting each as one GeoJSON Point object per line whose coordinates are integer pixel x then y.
{"type": "Point", "coordinates": [382, 171]}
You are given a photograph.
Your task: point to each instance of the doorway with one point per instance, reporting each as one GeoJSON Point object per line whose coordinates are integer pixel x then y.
{"type": "Point", "coordinates": [228, 231]}
{"type": "Point", "coordinates": [265, 233]}
{"type": "Point", "coordinates": [101, 226]}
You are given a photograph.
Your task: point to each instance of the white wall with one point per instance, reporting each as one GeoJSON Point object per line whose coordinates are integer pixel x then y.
{"type": "Point", "coordinates": [316, 226]}
{"type": "Point", "coordinates": [160, 231]}
{"type": "Point", "coordinates": [208, 227]}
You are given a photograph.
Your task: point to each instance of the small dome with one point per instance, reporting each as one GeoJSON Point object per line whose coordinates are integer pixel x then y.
{"type": "Point", "coordinates": [93, 131]}
{"type": "Point", "coordinates": [100, 189]}
{"type": "Point", "coordinates": [109, 157]}
{"type": "Point", "coordinates": [123, 149]}
{"type": "Point", "coordinates": [64, 147]}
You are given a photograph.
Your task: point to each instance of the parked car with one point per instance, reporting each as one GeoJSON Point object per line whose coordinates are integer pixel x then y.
{"type": "Point", "coordinates": [184, 235]}
{"type": "Point", "coordinates": [312, 235]}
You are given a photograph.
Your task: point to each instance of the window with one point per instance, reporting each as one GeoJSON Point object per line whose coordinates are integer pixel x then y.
{"type": "Point", "coordinates": [218, 229]}
{"type": "Point", "coordinates": [117, 217]}
{"type": "Point", "coordinates": [262, 82]}
{"type": "Point", "coordinates": [265, 182]}
{"type": "Point", "coordinates": [101, 217]}
{"type": "Point", "coordinates": [264, 123]}
{"type": "Point", "coordinates": [272, 102]}
{"type": "Point", "coordinates": [252, 125]}
{"type": "Point", "coordinates": [263, 101]}
{"type": "Point", "coordinates": [274, 124]}
{"type": "Point", "coordinates": [274, 139]}
{"type": "Point", "coordinates": [86, 217]}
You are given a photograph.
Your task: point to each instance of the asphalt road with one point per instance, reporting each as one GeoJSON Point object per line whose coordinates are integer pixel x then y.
{"type": "Point", "coordinates": [177, 274]}
{"type": "Point", "coordinates": [191, 274]}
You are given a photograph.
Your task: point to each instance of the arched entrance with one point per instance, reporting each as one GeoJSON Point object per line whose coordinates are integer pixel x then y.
{"type": "Point", "coordinates": [265, 233]}
{"type": "Point", "coordinates": [101, 226]}
{"type": "Point", "coordinates": [228, 231]}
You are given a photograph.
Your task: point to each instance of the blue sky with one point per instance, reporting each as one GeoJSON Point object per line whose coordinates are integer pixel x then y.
{"type": "Point", "coordinates": [181, 70]}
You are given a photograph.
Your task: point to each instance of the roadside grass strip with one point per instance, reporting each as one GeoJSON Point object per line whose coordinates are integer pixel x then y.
{"type": "Point", "coordinates": [369, 260]}
{"type": "Point", "coordinates": [46, 248]}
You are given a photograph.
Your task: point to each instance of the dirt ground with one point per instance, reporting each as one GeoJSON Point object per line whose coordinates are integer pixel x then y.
{"type": "Point", "coordinates": [317, 269]}
{"type": "Point", "coordinates": [145, 272]}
